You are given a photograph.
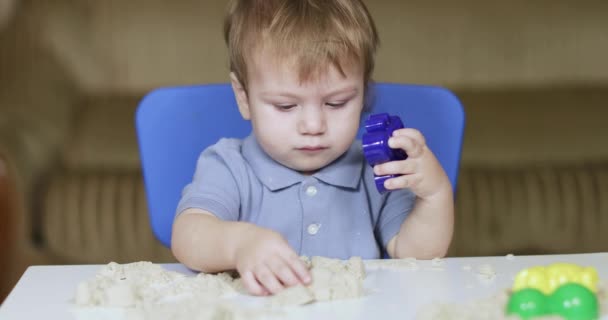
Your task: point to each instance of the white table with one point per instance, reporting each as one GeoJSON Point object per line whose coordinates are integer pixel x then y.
{"type": "Point", "coordinates": [45, 292]}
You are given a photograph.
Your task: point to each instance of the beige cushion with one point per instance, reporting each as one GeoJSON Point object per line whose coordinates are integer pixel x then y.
{"type": "Point", "coordinates": [535, 126]}
{"type": "Point", "coordinates": [97, 217]}
{"type": "Point", "coordinates": [118, 46]}
{"type": "Point", "coordinates": [103, 135]}
{"type": "Point", "coordinates": [543, 208]}
{"type": "Point", "coordinates": [100, 216]}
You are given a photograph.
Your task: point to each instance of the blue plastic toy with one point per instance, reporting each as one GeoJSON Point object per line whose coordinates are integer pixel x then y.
{"type": "Point", "coordinates": [379, 128]}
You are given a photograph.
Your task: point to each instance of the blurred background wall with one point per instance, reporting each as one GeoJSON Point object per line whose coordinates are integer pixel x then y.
{"type": "Point", "coordinates": [532, 76]}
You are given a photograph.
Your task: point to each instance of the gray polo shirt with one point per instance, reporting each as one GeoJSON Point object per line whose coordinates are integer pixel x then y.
{"type": "Point", "coordinates": [336, 212]}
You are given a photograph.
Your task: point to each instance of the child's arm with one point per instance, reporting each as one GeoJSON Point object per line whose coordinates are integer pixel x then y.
{"type": "Point", "coordinates": [262, 257]}
{"type": "Point", "coordinates": [427, 231]}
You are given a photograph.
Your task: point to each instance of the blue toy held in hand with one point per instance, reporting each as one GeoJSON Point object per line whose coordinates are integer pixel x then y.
{"type": "Point", "coordinates": [379, 128]}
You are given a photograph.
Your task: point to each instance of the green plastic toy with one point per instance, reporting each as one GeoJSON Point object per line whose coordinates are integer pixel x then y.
{"type": "Point", "coordinates": [571, 301]}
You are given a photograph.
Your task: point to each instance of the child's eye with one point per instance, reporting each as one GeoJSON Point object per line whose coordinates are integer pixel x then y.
{"type": "Point", "coordinates": [284, 107]}
{"type": "Point", "coordinates": [336, 104]}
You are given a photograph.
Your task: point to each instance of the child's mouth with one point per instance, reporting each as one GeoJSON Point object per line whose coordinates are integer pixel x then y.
{"type": "Point", "coordinates": [312, 149]}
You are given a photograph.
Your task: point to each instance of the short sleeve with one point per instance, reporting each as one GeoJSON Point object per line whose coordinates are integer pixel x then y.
{"type": "Point", "coordinates": [214, 187]}
{"type": "Point", "coordinates": [397, 206]}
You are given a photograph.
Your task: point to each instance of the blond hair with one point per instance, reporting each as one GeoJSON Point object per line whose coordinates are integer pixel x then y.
{"type": "Point", "coordinates": [314, 33]}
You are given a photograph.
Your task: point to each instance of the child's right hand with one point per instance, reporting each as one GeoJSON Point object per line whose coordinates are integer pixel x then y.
{"type": "Point", "coordinates": [267, 264]}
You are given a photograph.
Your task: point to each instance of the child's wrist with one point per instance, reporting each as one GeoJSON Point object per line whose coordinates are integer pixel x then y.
{"type": "Point", "coordinates": [241, 236]}
{"type": "Point", "coordinates": [238, 239]}
{"type": "Point", "coordinates": [443, 192]}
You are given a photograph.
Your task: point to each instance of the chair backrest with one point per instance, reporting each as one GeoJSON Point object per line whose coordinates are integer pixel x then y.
{"type": "Point", "coordinates": [175, 124]}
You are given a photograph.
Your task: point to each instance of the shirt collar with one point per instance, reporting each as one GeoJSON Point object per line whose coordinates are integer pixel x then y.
{"type": "Point", "coordinates": [343, 172]}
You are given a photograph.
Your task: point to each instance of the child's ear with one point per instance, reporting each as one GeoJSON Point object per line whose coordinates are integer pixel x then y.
{"type": "Point", "coordinates": [241, 96]}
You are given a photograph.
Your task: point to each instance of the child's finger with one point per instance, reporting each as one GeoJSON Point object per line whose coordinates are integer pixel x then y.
{"type": "Point", "coordinates": [268, 279]}
{"type": "Point", "coordinates": [299, 268]}
{"type": "Point", "coordinates": [408, 144]}
{"type": "Point", "coordinates": [401, 182]}
{"type": "Point", "coordinates": [407, 166]}
{"type": "Point", "coordinates": [412, 133]}
{"type": "Point", "coordinates": [252, 285]}
{"type": "Point", "coordinates": [283, 272]}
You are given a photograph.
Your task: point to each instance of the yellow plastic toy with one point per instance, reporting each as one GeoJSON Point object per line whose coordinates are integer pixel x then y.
{"type": "Point", "coordinates": [547, 279]}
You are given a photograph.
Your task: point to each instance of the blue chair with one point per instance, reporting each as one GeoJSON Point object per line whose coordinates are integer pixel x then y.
{"type": "Point", "coordinates": [175, 124]}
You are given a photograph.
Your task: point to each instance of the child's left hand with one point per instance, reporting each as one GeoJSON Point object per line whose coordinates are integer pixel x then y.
{"type": "Point", "coordinates": [421, 171]}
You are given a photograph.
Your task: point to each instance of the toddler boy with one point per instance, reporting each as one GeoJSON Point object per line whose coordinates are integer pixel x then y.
{"type": "Point", "coordinates": [299, 184]}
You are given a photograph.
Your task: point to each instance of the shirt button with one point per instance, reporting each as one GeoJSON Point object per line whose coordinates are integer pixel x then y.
{"type": "Point", "coordinates": [313, 229]}
{"type": "Point", "coordinates": [311, 191]}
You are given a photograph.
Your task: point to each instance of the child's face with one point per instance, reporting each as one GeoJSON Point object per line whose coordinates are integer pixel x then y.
{"type": "Point", "coordinates": [302, 125]}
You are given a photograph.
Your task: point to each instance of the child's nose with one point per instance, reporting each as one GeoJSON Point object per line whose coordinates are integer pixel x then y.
{"type": "Point", "coordinates": [312, 121]}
